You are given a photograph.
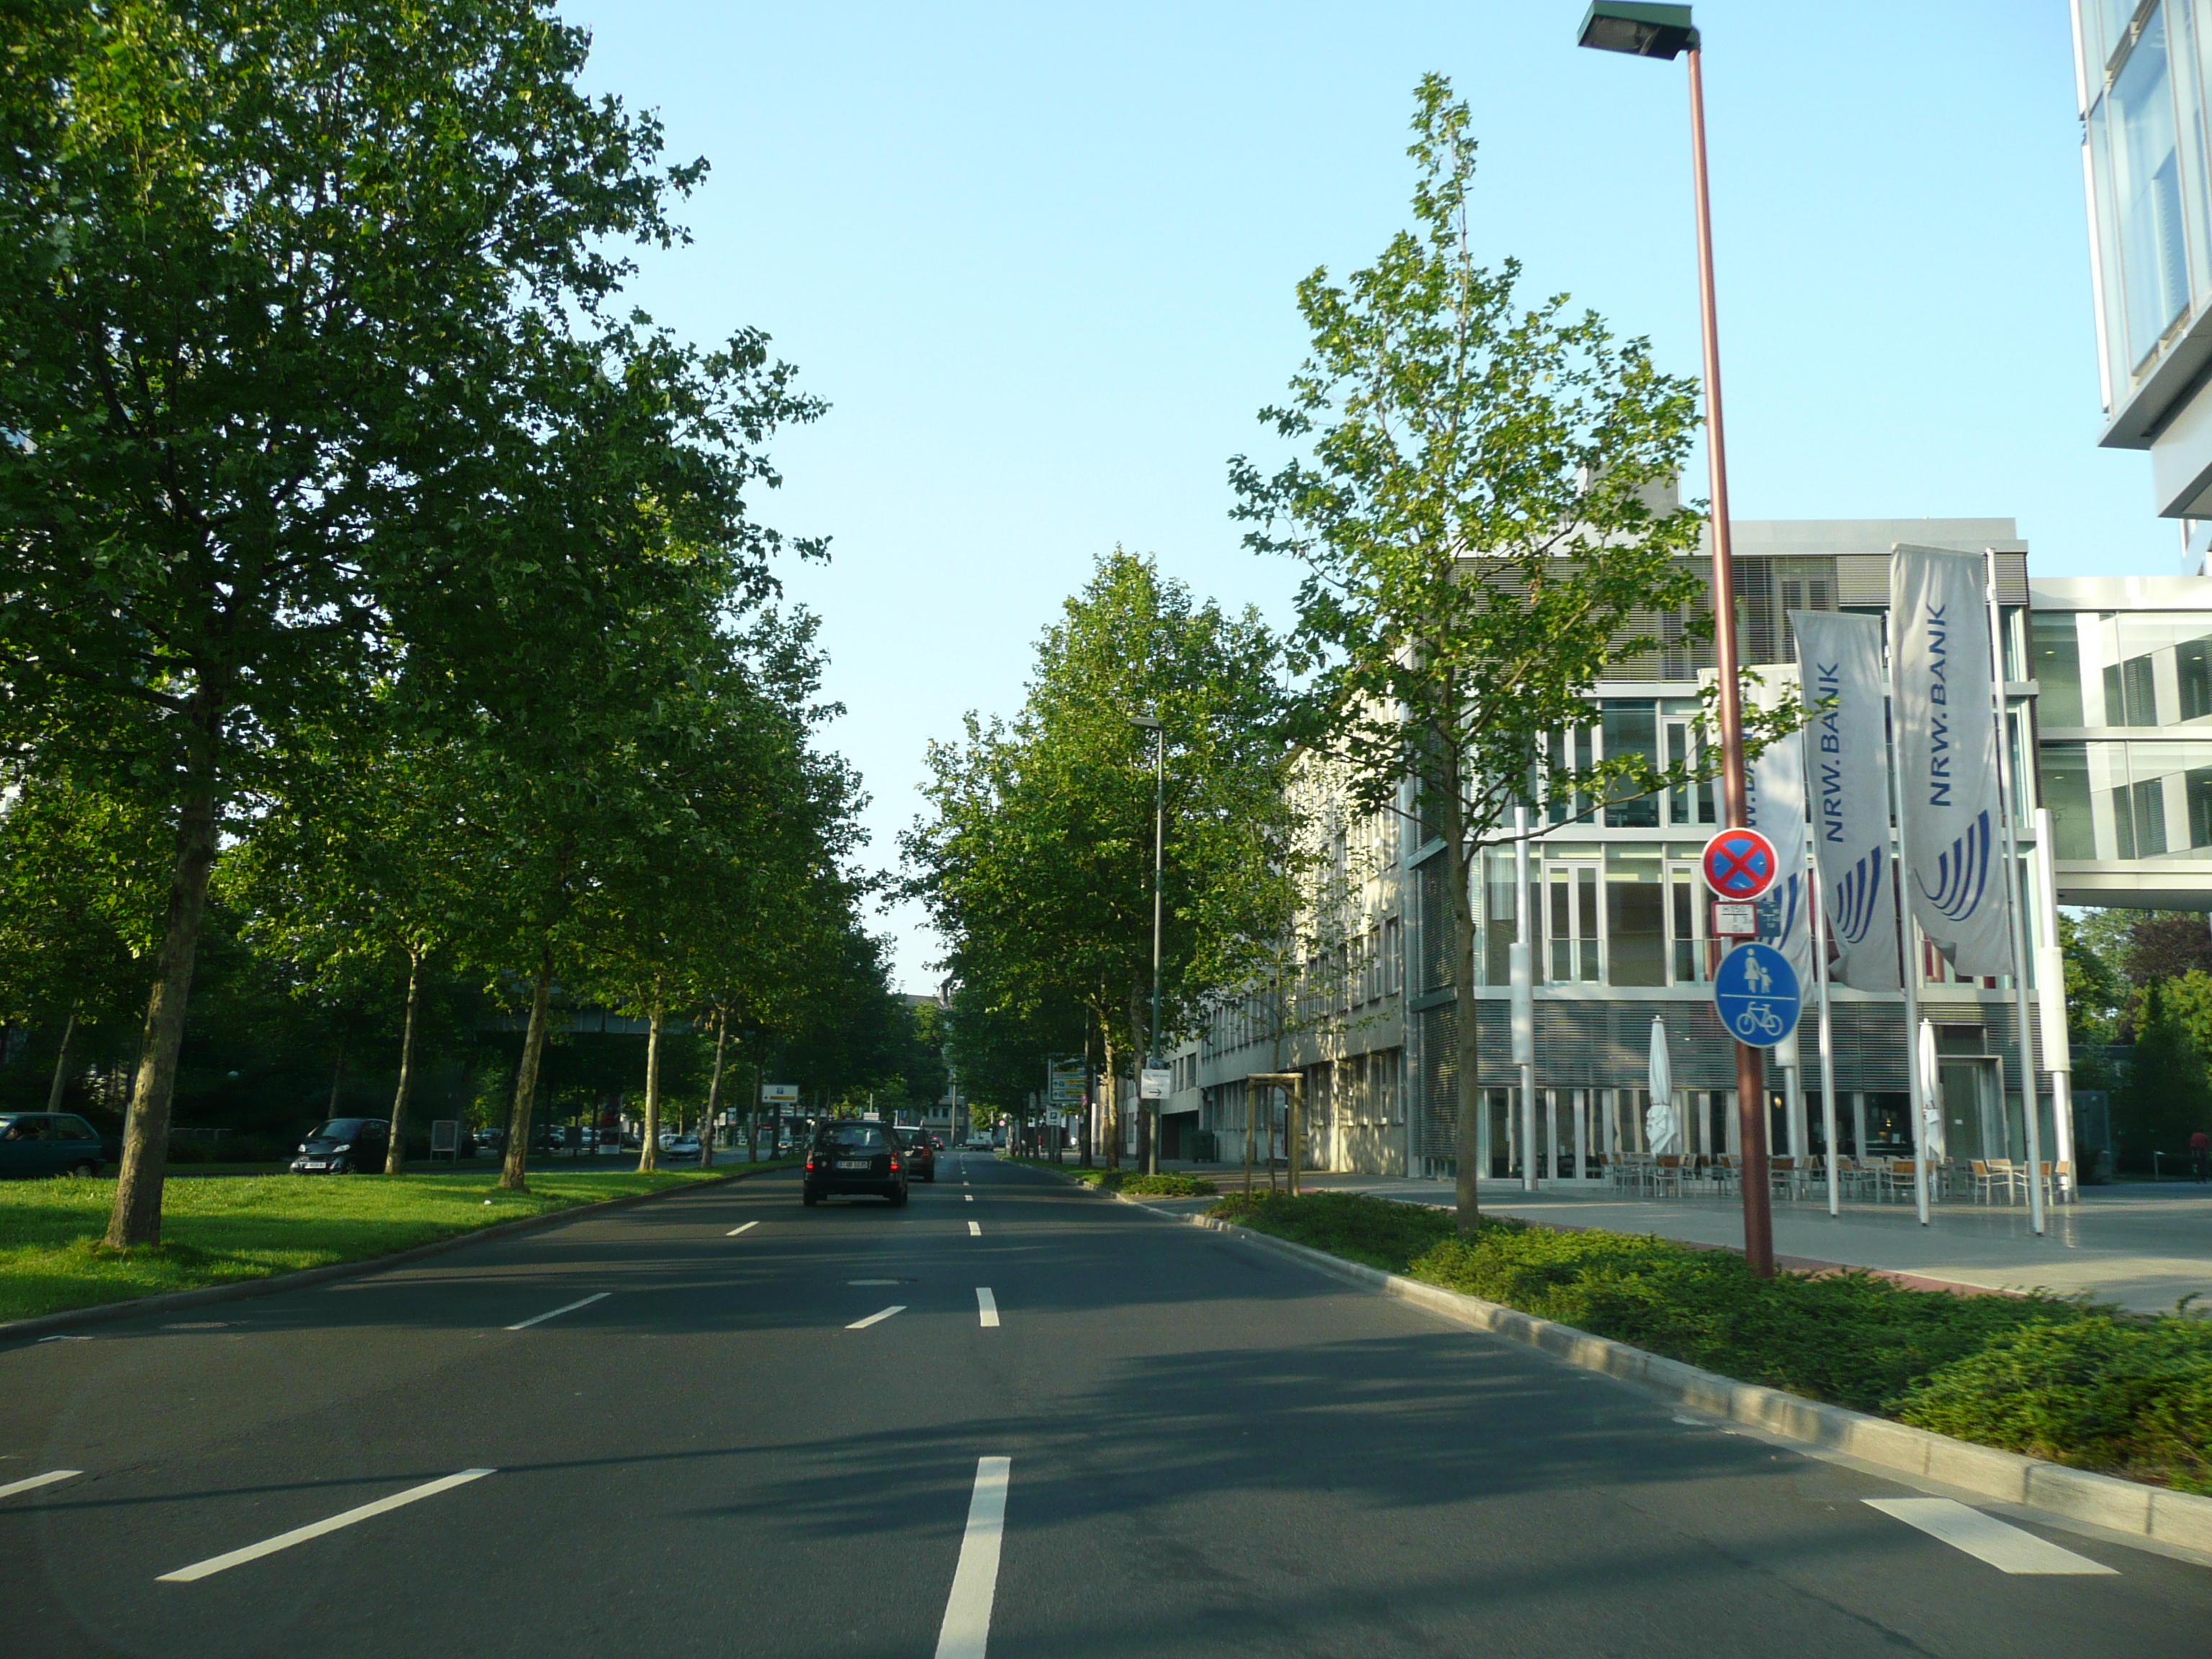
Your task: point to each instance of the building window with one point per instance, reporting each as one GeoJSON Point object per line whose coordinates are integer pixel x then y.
{"type": "Point", "coordinates": [1572, 920]}
{"type": "Point", "coordinates": [1631, 729]}
{"type": "Point", "coordinates": [1635, 917]}
{"type": "Point", "coordinates": [2126, 802]}
{"type": "Point", "coordinates": [2056, 648]}
{"type": "Point", "coordinates": [2144, 167]}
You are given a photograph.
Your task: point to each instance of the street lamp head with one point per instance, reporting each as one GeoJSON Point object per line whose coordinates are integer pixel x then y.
{"type": "Point", "coordinates": [1641, 31]}
{"type": "Point", "coordinates": [1147, 721]}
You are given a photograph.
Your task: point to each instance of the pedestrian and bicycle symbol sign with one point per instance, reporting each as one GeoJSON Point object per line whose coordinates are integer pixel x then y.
{"type": "Point", "coordinates": [1741, 864]}
{"type": "Point", "coordinates": [1757, 994]}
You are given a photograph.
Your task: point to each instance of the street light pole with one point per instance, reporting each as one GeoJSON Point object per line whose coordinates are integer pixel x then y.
{"type": "Point", "coordinates": [1664, 31]}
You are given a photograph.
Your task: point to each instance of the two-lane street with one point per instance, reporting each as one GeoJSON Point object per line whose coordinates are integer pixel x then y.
{"type": "Point", "coordinates": [720, 1422]}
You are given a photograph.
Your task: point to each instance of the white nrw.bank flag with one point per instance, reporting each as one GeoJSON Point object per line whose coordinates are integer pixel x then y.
{"type": "Point", "coordinates": [1777, 800]}
{"type": "Point", "coordinates": [1847, 779]}
{"type": "Point", "coordinates": [1940, 672]}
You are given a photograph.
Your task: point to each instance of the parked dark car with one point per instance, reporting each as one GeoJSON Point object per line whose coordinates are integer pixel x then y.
{"type": "Point", "coordinates": [855, 1156]}
{"type": "Point", "coordinates": [921, 1156]}
{"type": "Point", "coordinates": [344, 1146]}
{"type": "Point", "coordinates": [48, 1144]}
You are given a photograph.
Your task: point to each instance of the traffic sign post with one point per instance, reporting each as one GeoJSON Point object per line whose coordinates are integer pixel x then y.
{"type": "Point", "coordinates": [1741, 864]}
{"type": "Point", "coordinates": [1757, 994]}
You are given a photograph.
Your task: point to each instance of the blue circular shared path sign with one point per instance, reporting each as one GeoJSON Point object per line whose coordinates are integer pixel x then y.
{"type": "Point", "coordinates": [1757, 994]}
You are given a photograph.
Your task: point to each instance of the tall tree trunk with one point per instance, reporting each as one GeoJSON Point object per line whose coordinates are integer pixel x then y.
{"type": "Point", "coordinates": [648, 1151]}
{"type": "Point", "coordinates": [753, 1117]}
{"type": "Point", "coordinates": [395, 1155]}
{"type": "Point", "coordinates": [512, 1177]}
{"type": "Point", "coordinates": [337, 1079]}
{"type": "Point", "coordinates": [1148, 1111]}
{"type": "Point", "coordinates": [710, 1128]}
{"type": "Point", "coordinates": [137, 1217]}
{"type": "Point", "coordinates": [1467, 1083]}
{"type": "Point", "coordinates": [55, 1090]}
{"type": "Point", "coordinates": [1113, 1103]}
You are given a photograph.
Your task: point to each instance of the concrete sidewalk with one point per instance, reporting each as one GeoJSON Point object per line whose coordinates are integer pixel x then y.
{"type": "Point", "coordinates": [2143, 1246]}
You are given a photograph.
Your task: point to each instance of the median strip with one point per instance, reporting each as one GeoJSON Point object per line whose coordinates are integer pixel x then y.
{"type": "Point", "coordinates": [599, 1296]}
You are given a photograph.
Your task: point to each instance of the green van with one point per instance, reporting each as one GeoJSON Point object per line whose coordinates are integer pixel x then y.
{"type": "Point", "coordinates": [48, 1144]}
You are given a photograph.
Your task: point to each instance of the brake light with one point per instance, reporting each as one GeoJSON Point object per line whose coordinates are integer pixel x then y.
{"type": "Point", "coordinates": [810, 1163]}
{"type": "Point", "coordinates": [895, 1165]}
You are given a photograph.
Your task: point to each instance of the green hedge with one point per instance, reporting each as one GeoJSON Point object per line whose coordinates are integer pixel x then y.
{"type": "Point", "coordinates": [2063, 1380]}
{"type": "Point", "coordinates": [1127, 1180]}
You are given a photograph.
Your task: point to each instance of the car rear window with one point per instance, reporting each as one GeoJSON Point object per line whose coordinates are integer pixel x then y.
{"type": "Point", "coordinates": [854, 1138]}
{"type": "Point", "coordinates": [74, 1128]}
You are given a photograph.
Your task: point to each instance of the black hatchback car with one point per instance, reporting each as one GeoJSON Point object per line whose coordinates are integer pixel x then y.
{"type": "Point", "coordinates": [343, 1145]}
{"type": "Point", "coordinates": [855, 1156]}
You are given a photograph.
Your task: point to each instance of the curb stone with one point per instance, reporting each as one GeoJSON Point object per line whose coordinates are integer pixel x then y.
{"type": "Point", "coordinates": [2182, 1520]}
{"type": "Point", "coordinates": [104, 1313]}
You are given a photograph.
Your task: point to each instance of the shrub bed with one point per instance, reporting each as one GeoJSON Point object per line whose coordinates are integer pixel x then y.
{"type": "Point", "coordinates": [2068, 1381]}
{"type": "Point", "coordinates": [1172, 1185]}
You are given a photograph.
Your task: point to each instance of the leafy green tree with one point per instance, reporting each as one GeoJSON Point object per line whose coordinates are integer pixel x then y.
{"type": "Point", "coordinates": [2169, 1097]}
{"type": "Point", "coordinates": [1037, 859]}
{"type": "Point", "coordinates": [303, 306]}
{"type": "Point", "coordinates": [1479, 538]}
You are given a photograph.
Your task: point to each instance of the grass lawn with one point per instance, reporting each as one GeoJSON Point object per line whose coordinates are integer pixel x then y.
{"type": "Point", "coordinates": [218, 1230]}
{"type": "Point", "coordinates": [2068, 1381]}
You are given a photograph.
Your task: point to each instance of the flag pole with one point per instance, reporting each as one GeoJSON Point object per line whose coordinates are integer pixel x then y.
{"type": "Point", "coordinates": [2028, 1110]}
{"type": "Point", "coordinates": [1913, 950]}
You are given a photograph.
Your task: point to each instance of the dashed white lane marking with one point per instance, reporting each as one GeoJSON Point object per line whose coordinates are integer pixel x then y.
{"type": "Point", "coordinates": [284, 1541]}
{"type": "Point", "coordinates": [871, 1281]}
{"type": "Point", "coordinates": [1984, 1537]}
{"type": "Point", "coordinates": [986, 1307]}
{"type": "Point", "coordinates": [966, 1631]}
{"type": "Point", "coordinates": [967, 1198]}
{"type": "Point", "coordinates": [597, 1296]}
{"type": "Point", "coordinates": [877, 1318]}
{"type": "Point", "coordinates": [974, 1229]}
{"type": "Point", "coordinates": [734, 1231]}
{"type": "Point", "coordinates": [38, 1480]}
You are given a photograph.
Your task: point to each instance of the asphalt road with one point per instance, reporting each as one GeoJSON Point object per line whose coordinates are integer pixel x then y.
{"type": "Point", "coordinates": [1207, 1449]}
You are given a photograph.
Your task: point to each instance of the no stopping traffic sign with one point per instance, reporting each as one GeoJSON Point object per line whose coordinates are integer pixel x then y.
{"type": "Point", "coordinates": [1741, 864]}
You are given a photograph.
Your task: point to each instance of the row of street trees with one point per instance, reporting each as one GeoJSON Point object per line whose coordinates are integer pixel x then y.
{"type": "Point", "coordinates": [371, 573]}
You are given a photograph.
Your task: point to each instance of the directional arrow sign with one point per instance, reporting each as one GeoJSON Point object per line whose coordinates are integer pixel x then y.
{"type": "Point", "coordinates": [1741, 864]}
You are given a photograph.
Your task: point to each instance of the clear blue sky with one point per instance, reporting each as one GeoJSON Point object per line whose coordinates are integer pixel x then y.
{"type": "Point", "coordinates": [1041, 261]}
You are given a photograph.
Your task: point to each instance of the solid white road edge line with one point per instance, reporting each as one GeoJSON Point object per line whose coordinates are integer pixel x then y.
{"type": "Point", "coordinates": [599, 1296]}
{"type": "Point", "coordinates": [284, 1541]}
{"type": "Point", "coordinates": [38, 1480]}
{"type": "Point", "coordinates": [877, 1318]}
{"type": "Point", "coordinates": [986, 1307]}
{"type": "Point", "coordinates": [2004, 1546]}
{"type": "Point", "coordinates": [966, 1631]}
{"type": "Point", "coordinates": [734, 1231]}
{"type": "Point", "coordinates": [974, 1229]}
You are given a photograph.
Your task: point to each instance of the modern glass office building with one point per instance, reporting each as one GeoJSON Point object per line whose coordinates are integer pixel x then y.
{"type": "Point", "coordinates": [2109, 687]}
{"type": "Point", "coordinates": [2142, 73]}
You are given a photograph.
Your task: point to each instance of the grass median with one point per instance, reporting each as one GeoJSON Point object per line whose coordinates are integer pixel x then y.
{"type": "Point", "coordinates": [2074, 1383]}
{"type": "Point", "coordinates": [219, 1229]}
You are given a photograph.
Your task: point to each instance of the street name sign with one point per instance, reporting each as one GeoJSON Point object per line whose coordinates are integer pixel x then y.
{"type": "Point", "coordinates": [1757, 994]}
{"type": "Point", "coordinates": [1741, 864]}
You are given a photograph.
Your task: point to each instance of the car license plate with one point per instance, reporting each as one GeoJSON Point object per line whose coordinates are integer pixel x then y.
{"type": "Point", "coordinates": [316, 1163]}
{"type": "Point", "coordinates": [852, 1164]}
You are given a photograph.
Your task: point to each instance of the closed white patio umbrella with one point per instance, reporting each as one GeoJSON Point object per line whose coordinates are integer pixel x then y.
{"type": "Point", "coordinates": [1662, 1128]}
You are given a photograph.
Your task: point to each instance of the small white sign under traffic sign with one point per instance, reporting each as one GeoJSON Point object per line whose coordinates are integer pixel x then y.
{"type": "Point", "coordinates": [773, 1093]}
{"type": "Point", "coordinates": [1156, 1083]}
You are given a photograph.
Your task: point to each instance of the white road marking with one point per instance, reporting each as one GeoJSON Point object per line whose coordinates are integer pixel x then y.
{"type": "Point", "coordinates": [38, 1480]}
{"type": "Point", "coordinates": [986, 1307]}
{"type": "Point", "coordinates": [966, 1631]}
{"type": "Point", "coordinates": [599, 1296]}
{"type": "Point", "coordinates": [65, 1338]}
{"type": "Point", "coordinates": [1984, 1537]}
{"type": "Point", "coordinates": [967, 1198]}
{"type": "Point", "coordinates": [284, 1541]}
{"type": "Point", "coordinates": [871, 1281]}
{"type": "Point", "coordinates": [734, 1231]}
{"type": "Point", "coordinates": [877, 1318]}
{"type": "Point", "coordinates": [974, 1229]}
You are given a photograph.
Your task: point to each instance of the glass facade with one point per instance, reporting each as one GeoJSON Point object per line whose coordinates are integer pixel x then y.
{"type": "Point", "coordinates": [2145, 74]}
{"type": "Point", "coordinates": [2130, 801]}
{"type": "Point", "coordinates": [2124, 668]}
